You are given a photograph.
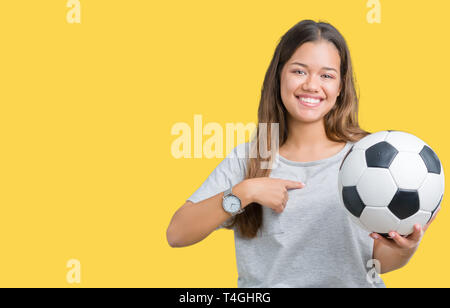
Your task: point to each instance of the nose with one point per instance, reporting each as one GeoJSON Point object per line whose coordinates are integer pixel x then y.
{"type": "Point", "coordinates": [311, 84]}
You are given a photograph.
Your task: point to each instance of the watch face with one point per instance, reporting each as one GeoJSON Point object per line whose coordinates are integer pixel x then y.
{"type": "Point", "coordinates": [232, 204]}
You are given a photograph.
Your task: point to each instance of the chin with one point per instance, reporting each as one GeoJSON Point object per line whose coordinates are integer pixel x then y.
{"type": "Point", "coordinates": [307, 120]}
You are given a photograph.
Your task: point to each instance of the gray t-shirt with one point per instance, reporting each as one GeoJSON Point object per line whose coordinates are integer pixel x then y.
{"type": "Point", "coordinates": [312, 243]}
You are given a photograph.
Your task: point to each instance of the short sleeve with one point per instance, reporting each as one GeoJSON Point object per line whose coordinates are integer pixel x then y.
{"type": "Point", "coordinates": [228, 173]}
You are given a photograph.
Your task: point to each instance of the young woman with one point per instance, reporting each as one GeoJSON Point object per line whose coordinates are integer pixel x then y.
{"type": "Point", "coordinates": [288, 234]}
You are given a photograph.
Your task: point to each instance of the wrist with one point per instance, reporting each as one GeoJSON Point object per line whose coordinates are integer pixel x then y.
{"type": "Point", "coordinates": [241, 191]}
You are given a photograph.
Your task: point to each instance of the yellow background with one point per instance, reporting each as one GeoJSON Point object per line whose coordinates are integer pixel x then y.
{"type": "Point", "coordinates": [86, 170]}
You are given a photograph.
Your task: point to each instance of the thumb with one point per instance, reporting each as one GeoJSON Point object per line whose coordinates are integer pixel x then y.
{"type": "Point", "coordinates": [293, 184]}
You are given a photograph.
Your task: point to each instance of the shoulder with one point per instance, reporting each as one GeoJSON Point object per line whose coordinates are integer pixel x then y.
{"type": "Point", "coordinates": [241, 151]}
{"type": "Point", "coordinates": [236, 159]}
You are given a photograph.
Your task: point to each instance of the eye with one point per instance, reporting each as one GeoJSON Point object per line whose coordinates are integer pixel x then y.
{"type": "Point", "coordinates": [329, 76]}
{"type": "Point", "coordinates": [299, 71]}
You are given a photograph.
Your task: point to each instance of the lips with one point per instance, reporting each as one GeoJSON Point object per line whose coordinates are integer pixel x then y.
{"type": "Point", "coordinates": [309, 101]}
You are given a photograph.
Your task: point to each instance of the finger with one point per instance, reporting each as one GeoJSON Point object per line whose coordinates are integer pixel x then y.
{"type": "Point", "coordinates": [293, 184]}
{"type": "Point", "coordinates": [277, 209]}
{"type": "Point", "coordinates": [280, 206]}
{"type": "Point", "coordinates": [417, 234]}
{"type": "Point", "coordinates": [381, 239]}
{"type": "Point", "coordinates": [400, 240]}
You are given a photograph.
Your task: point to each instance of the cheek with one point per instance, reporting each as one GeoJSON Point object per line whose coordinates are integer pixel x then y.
{"type": "Point", "coordinates": [292, 85]}
{"type": "Point", "coordinates": [331, 90]}
{"type": "Point", "coordinates": [289, 87]}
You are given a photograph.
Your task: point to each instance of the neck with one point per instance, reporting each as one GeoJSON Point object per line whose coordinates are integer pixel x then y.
{"type": "Point", "coordinates": [307, 135]}
{"type": "Point", "coordinates": [308, 142]}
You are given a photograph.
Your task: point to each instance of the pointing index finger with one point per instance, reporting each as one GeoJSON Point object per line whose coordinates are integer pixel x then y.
{"type": "Point", "coordinates": [293, 184]}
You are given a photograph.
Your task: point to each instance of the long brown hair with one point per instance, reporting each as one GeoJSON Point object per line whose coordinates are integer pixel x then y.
{"type": "Point", "coordinates": [341, 123]}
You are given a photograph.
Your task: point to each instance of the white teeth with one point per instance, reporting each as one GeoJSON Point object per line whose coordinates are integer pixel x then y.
{"type": "Point", "coordinates": [310, 100]}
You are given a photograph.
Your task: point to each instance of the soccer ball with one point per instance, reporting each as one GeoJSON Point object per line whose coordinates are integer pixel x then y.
{"type": "Point", "coordinates": [389, 181]}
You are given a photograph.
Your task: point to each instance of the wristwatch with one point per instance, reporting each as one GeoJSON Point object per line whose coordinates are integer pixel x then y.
{"type": "Point", "coordinates": [231, 203]}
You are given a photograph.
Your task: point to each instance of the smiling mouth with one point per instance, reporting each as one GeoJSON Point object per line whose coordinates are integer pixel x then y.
{"type": "Point", "coordinates": [309, 102]}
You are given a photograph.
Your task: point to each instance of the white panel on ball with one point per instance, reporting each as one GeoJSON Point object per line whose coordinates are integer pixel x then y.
{"type": "Point", "coordinates": [406, 226]}
{"type": "Point", "coordinates": [408, 170]}
{"type": "Point", "coordinates": [376, 187]}
{"type": "Point", "coordinates": [431, 191]}
{"type": "Point", "coordinates": [405, 142]}
{"type": "Point", "coordinates": [350, 175]}
{"type": "Point", "coordinates": [379, 219]}
{"type": "Point", "coordinates": [358, 223]}
{"type": "Point", "coordinates": [370, 140]}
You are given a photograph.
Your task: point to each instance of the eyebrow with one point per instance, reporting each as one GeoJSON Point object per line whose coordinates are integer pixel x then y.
{"type": "Point", "coordinates": [324, 68]}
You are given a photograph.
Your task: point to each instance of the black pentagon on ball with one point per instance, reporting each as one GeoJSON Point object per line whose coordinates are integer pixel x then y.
{"type": "Point", "coordinates": [380, 155]}
{"type": "Point", "coordinates": [352, 200]}
{"type": "Point", "coordinates": [431, 160]}
{"type": "Point", "coordinates": [405, 203]}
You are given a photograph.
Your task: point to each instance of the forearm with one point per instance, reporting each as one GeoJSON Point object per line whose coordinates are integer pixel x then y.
{"type": "Point", "coordinates": [195, 221]}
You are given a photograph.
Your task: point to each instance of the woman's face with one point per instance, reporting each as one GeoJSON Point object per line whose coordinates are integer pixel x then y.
{"type": "Point", "coordinates": [310, 81]}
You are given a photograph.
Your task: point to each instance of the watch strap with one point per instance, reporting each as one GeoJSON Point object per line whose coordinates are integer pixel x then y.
{"type": "Point", "coordinates": [227, 192]}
